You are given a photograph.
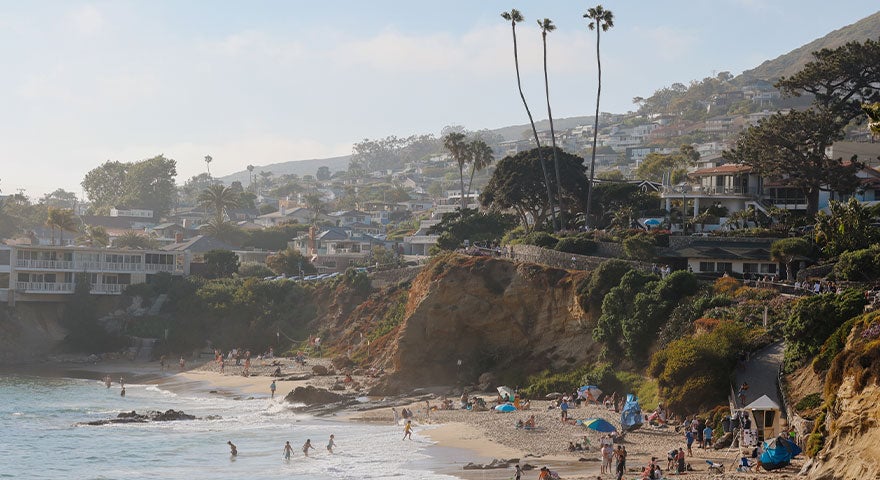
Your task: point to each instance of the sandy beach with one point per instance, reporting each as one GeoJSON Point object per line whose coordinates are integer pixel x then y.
{"type": "Point", "coordinates": [461, 436]}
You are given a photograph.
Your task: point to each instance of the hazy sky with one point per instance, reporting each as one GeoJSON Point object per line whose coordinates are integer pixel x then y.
{"type": "Point", "coordinates": [270, 81]}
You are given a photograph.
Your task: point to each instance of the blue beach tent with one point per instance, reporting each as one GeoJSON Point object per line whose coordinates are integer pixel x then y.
{"type": "Point", "coordinates": [778, 453]}
{"type": "Point", "coordinates": [631, 416]}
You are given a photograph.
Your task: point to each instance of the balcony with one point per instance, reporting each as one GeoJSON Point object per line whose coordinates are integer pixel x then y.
{"type": "Point", "coordinates": [43, 287]}
{"type": "Point", "coordinates": [155, 267]}
{"type": "Point", "coordinates": [66, 288]}
{"type": "Point", "coordinates": [710, 191]}
{"type": "Point", "coordinates": [44, 264]}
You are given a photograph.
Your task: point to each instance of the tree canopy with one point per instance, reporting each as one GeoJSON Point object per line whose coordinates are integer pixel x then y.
{"type": "Point", "coordinates": [147, 184]}
{"type": "Point", "coordinates": [517, 184]}
{"type": "Point", "coordinates": [790, 149]}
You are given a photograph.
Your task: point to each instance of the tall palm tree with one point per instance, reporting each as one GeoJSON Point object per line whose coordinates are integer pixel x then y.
{"type": "Point", "coordinates": [458, 148]}
{"type": "Point", "coordinates": [547, 26]}
{"type": "Point", "coordinates": [221, 229]}
{"type": "Point", "coordinates": [52, 220]}
{"type": "Point", "coordinates": [250, 169]}
{"type": "Point", "coordinates": [481, 156]}
{"type": "Point", "coordinates": [514, 16]}
{"type": "Point", "coordinates": [65, 222]}
{"type": "Point", "coordinates": [218, 198]}
{"type": "Point", "coordinates": [133, 239]}
{"type": "Point", "coordinates": [208, 160]}
{"type": "Point", "coordinates": [601, 21]}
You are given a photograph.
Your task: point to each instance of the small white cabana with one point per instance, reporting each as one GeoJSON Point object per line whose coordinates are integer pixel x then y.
{"type": "Point", "coordinates": [766, 417]}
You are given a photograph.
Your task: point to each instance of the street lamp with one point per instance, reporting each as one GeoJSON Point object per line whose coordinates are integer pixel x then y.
{"type": "Point", "coordinates": [208, 160]}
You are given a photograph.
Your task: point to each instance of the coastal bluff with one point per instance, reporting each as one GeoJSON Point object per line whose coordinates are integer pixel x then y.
{"type": "Point", "coordinates": [479, 320]}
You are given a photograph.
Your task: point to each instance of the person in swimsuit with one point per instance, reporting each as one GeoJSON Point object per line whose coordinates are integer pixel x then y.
{"type": "Point", "coordinates": [331, 444]}
{"type": "Point", "coordinates": [232, 450]}
{"type": "Point", "coordinates": [407, 430]}
{"type": "Point", "coordinates": [307, 446]}
{"type": "Point", "coordinates": [288, 450]}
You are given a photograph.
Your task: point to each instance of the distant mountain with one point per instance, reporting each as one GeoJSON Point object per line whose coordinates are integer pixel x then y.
{"type": "Point", "coordinates": [299, 167]}
{"type": "Point", "coordinates": [793, 61]}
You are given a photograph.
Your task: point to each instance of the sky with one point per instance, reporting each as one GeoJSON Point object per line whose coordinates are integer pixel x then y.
{"type": "Point", "coordinates": [262, 82]}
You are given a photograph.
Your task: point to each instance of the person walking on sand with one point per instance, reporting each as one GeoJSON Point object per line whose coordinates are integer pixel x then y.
{"type": "Point", "coordinates": [331, 444]}
{"type": "Point", "coordinates": [517, 474]}
{"type": "Point", "coordinates": [620, 455]}
{"type": "Point", "coordinates": [307, 446]}
{"type": "Point", "coordinates": [272, 388]}
{"type": "Point", "coordinates": [288, 450]}
{"type": "Point", "coordinates": [232, 450]}
{"type": "Point", "coordinates": [407, 430]}
{"type": "Point", "coordinates": [396, 416]}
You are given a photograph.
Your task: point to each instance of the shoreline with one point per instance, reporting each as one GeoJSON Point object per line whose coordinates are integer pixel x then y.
{"type": "Point", "coordinates": [457, 436]}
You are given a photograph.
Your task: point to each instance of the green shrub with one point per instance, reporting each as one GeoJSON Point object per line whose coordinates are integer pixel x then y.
{"type": "Point", "coordinates": [859, 265]}
{"type": "Point", "coordinates": [639, 247]}
{"type": "Point", "coordinates": [814, 319]}
{"type": "Point", "coordinates": [254, 269]}
{"type": "Point", "coordinates": [576, 245]}
{"type": "Point", "coordinates": [811, 401]}
{"type": "Point", "coordinates": [541, 239]}
{"type": "Point", "coordinates": [693, 373]}
{"type": "Point", "coordinates": [549, 382]}
{"type": "Point", "coordinates": [607, 275]}
{"type": "Point", "coordinates": [832, 346]}
{"type": "Point", "coordinates": [815, 442]}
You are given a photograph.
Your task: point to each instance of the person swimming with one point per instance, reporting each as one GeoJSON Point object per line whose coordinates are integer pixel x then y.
{"type": "Point", "coordinates": [232, 450]}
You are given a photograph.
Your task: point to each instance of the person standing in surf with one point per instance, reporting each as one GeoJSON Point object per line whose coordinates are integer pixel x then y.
{"type": "Point", "coordinates": [307, 446]}
{"type": "Point", "coordinates": [288, 450]}
{"type": "Point", "coordinates": [272, 388]}
{"type": "Point", "coordinates": [407, 430]}
{"type": "Point", "coordinates": [331, 444]}
{"type": "Point", "coordinates": [232, 450]}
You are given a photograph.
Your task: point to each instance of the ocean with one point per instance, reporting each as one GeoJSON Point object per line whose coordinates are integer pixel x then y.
{"type": "Point", "coordinates": [39, 437]}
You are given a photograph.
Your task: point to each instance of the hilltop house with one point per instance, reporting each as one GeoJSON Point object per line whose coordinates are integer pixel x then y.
{"type": "Point", "coordinates": [336, 249]}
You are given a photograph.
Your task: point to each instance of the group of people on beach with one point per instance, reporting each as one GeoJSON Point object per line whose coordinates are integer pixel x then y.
{"type": "Point", "coordinates": [287, 451]}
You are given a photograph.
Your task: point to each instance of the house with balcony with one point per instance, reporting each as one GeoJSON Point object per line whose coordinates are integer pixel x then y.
{"type": "Point", "coordinates": [336, 249]}
{"type": "Point", "coordinates": [49, 273]}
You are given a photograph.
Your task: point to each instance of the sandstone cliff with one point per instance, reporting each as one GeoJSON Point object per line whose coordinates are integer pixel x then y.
{"type": "Point", "coordinates": [851, 424]}
{"type": "Point", "coordinates": [29, 331]}
{"type": "Point", "coordinates": [498, 317]}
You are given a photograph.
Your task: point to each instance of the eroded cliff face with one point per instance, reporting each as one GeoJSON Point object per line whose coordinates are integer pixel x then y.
{"type": "Point", "coordinates": [852, 420]}
{"type": "Point", "coordinates": [29, 331]}
{"type": "Point", "coordinates": [494, 315]}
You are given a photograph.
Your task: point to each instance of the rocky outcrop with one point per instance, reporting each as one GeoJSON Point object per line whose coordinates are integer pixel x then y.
{"type": "Point", "coordinates": [310, 395]}
{"type": "Point", "coordinates": [851, 422]}
{"type": "Point", "coordinates": [490, 314]}
{"type": "Point", "coordinates": [152, 416]}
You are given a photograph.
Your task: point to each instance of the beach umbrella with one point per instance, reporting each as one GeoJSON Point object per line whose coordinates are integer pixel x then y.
{"type": "Point", "coordinates": [593, 391]}
{"type": "Point", "coordinates": [599, 425]}
{"type": "Point", "coordinates": [506, 391]}
{"type": "Point", "coordinates": [505, 407]}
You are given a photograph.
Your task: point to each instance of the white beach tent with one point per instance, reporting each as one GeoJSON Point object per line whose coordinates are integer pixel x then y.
{"type": "Point", "coordinates": [767, 417]}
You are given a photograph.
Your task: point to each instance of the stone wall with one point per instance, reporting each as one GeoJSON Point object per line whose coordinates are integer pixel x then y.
{"type": "Point", "coordinates": [553, 258]}
{"type": "Point", "coordinates": [609, 249]}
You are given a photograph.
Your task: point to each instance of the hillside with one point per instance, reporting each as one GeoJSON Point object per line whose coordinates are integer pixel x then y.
{"type": "Point", "coordinates": [298, 167]}
{"type": "Point", "coordinates": [791, 62]}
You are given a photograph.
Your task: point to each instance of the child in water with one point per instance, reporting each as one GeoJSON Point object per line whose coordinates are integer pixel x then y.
{"type": "Point", "coordinates": [331, 444]}
{"type": "Point", "coordinates": [307, 446]}
{"type": "Point", "coordinates": [288, 450]}
{"type": "Point", "coordinates": [407, 430]}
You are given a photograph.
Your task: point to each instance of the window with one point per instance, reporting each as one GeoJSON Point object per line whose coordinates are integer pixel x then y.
{"type": "Point", "coordinates": [751, 268]}
{"type": "Point", "coordinates": [724, 267]}
{"type": "Point", "coordinates": [4, 280]}
{"type": "Point", "coordinates": [4, 257]}
{"type": "Point", "coordinates": [707, 266]}
{"type": "Point", "coordinates": [768, 268]}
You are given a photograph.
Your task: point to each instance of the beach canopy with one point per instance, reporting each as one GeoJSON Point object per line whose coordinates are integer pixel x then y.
{"type": "Point", "coordinates": [505, 407]}
{"type": "Point", "coordinates": [502, 390]}
{"type": "Point", "coordinates": [653, 222]}
{"type": "Point", "coordinates": [778, 453]}
{"type": "Point", "coordinates": [631, 416]}
{"type": "Point", "coordinates": [590, 392]}
{"type": "Point", "coordinates": [599, 425]}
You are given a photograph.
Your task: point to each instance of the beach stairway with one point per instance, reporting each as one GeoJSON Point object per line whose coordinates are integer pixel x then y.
{"type": "Point", "coordinates": [156, 307]}
{"type": "Point", "coordinates": [143, 350]}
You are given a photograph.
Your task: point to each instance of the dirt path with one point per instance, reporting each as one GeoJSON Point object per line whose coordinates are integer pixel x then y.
{"type": "Point", "coordinates": [761, 373]}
